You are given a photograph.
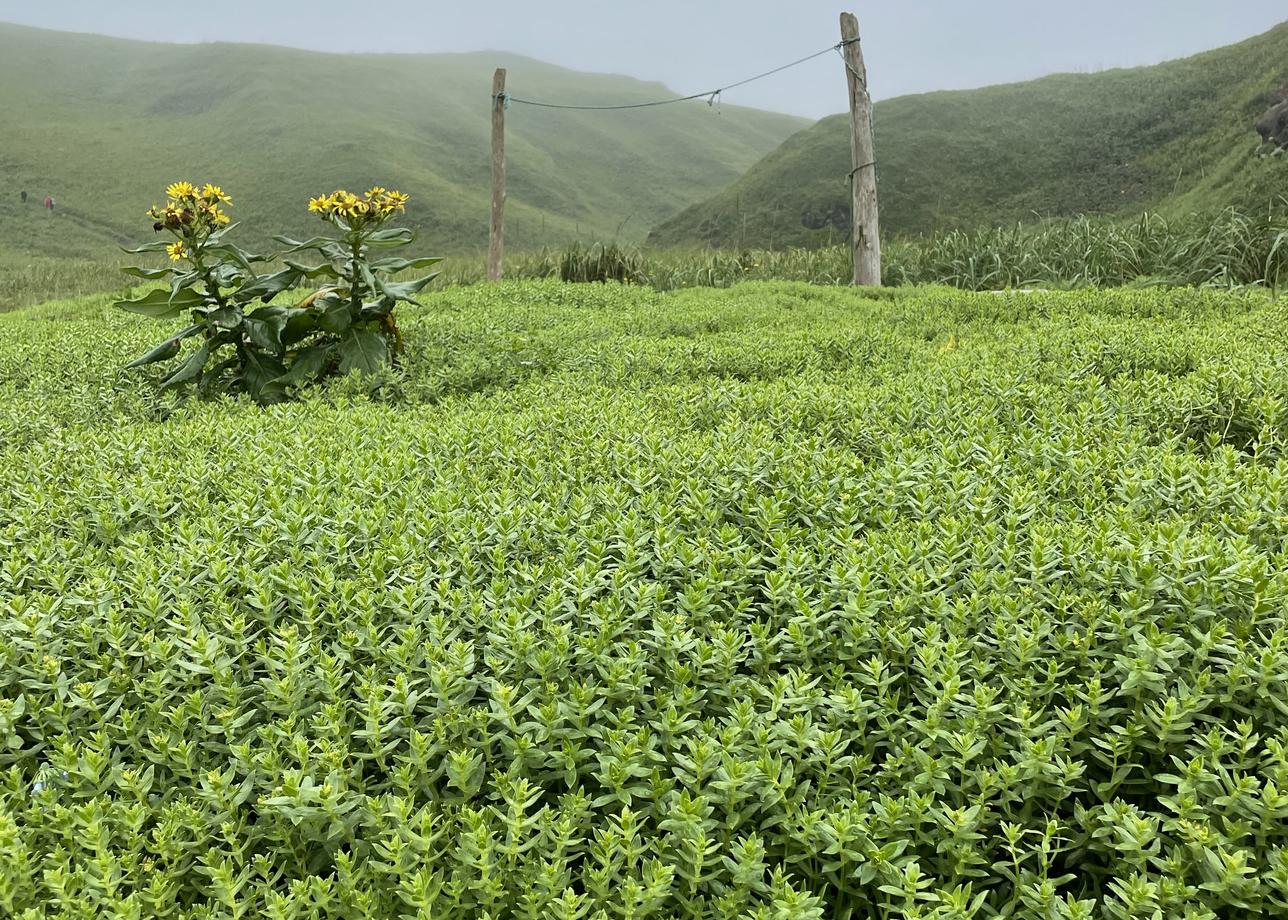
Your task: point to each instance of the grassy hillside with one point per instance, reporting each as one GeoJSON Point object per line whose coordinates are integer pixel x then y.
{"type": "Point", "coordinates": [103, 124]}
{"type": "Point", "coordinates": [1173, 137]}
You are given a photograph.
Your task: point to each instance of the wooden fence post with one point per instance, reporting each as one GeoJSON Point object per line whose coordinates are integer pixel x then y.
{"type": "Point", "coordinates": [863, 179]}
{"type": "Point", "coordinates": [496, 232]}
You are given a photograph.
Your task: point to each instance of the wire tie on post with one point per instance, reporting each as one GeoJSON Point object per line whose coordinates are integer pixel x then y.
{"type": "Point", "coordinates": [855, 170]}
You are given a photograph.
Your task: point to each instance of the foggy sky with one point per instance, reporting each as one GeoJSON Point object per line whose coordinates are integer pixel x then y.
{"type": "Point", "coordinates": [696, 45]}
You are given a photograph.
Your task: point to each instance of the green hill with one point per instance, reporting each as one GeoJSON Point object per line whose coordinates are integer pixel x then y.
{"type": "Point", "coordinates": [103, 124]}
{"type": "Point", "coordinates": [1174, 137]}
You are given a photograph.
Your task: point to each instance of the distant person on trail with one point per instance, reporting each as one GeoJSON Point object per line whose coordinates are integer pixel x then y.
{"type": "Point", "coordinates": [24, 196]}
{"type": "Point", "coordinates": [49, 203]}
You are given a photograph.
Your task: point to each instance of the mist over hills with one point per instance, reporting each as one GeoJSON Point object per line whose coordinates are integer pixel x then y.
{"type": "Point", "coordinates": [103, 124]}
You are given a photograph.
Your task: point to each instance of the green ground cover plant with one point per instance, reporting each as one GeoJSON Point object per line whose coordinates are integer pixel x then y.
{"type": "Point", "coordinates": [775, 602]}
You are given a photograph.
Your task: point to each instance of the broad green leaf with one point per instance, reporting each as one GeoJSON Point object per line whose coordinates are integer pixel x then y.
{"type": "Point", "coordinates": [325, 270]}
{"type": "Point", "coordinates": [398, 265]}
{"type": "Point", "coordinates": [161, 304]}
{"type": "Point", "coordinates": [299, 325]}
{"type": "Point", "coordinates": [237, 255]}
{"type": "Point", "coordinates": [269, 286]}
{"type": "Point", "coordinates": [259, 370]}
{"type": "Point", "coordinates": [167, 349]}
{"type": "Point", "coordinates": [190, 368]}
{"type": "Point", "coordinates": [152, 274]}
{"type": "Point", "coordinates": [229, 317]}
{"type": "Point", "coordinates": [334, 314]}
{"type": "Point", "coordinates": [158, 246]}
{"type": "Point", "coordinates": [363, 349]}
{"type": "Point", "coordinates": [265, 331]}
{"type": "Point", "coordinates": [307, 365]}
{"type": "Point", "coordinates": [390, 238]}
{"type": "Point", "coordinates": [403, 290]}
{"type": "Point", "coordinates": [316, 242]}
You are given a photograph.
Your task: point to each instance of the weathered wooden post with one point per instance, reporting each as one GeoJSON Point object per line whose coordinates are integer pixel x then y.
{"type": "Point", "coordinates": [496, 232]}
{"type": "Point", "coordinates": [863, 178]}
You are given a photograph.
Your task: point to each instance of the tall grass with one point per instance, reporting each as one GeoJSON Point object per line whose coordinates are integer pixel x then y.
{"type": "Point", "coordinates": [1230, 249]}
{"type": "Point", "coordinates": [26, 280]}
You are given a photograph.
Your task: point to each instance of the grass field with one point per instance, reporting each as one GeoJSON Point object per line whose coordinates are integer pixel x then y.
{"type": "Point", "coordinates": [777, 602]}
{"type": "Point", "coordinates": [1173, 138]}
{"type": "Point", "coordinates": [1232, 248]}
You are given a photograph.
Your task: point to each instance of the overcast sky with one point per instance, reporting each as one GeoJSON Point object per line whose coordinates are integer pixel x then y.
{"type": "Point", "coordinates": [695, 45]}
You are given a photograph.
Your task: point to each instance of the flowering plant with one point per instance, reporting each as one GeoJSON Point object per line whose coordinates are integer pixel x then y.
{"type": "Point", "coordinates": [356, 303]}
{"type": "Point", "coordinates": [265, 349]}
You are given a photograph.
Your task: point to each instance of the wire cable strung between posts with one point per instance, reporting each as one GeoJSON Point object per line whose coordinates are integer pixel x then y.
{"type": "Point", "coordinates": [711, 96]}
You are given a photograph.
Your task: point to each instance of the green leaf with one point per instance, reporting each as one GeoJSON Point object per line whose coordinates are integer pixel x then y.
{"type": "Point", "coordinates": [228, 274]}
{"type": "Point", "coordinates": [307, 365]}
{"type": "Point", "coordinates": [403, 290]}
{"type": "Point", "coordinates": [316, 242]}
{"type": "Point", "coordinates": [229, 317]}
{"type": "Point", "coordinates": [214, 378]}
{"type": "Point", "coordinates": [152, 274]}
{"type": "Point", "coordinates": [333, 314]}
{"type": "Point", "coordinates": [268, 286]}
{"type": "Point", "coordinates": [162, 304]}
{"type": "Point", "coordinates": [190, 368]}
{"type": "Point", "coordinates": [390, 238]}
{"type": "Point", "coordinates": [158, 246]}
{"type": "Point", "coordinates": [363, 349]}
{"type": "Point", "coordinates": [299, 324]}
{"type": "Point", "coordinates": [325, 270]}
{"type": "Point", "coordinates": [218, 235]}
{"type": "Point", "coordinates": [265, 331]}
{"type": "Point", "coordinates": [167, 349]}
{"type": "Point", "coordinates": [259, 370]}
{"type": "Point", "coordinates": [398, 265]}
{"type": "Point", "coordinates": [238, 255]}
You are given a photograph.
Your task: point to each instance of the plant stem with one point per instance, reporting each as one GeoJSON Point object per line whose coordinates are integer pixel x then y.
{"type": "Point", "coordinates": [212, 289]}
{"type": "Point", "coordinates": [355, 301]}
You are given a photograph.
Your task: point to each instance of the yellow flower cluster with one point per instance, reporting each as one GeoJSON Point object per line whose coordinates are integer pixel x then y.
{"type": "Point", "coordinates": [189, 211]}
{"type": "Point", "coordinates": [377, 205]}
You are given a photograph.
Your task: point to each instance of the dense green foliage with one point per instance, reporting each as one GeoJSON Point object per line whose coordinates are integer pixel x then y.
{"type": "Point", "coordinates": [777, 602]}
{"type": "Point", "coordinates": [1232, 248]}
{"type": "Point", "coordinates": [100, 123]}
{"type": "Point", "coordinates": [1176, 137]}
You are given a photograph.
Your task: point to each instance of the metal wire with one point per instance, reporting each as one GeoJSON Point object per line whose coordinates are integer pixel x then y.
{"type": "Point", "coordinates": [710, 95]}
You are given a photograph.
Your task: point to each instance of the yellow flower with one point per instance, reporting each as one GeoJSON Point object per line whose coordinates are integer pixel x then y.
{"type": "Point", "coordinates": [375, 192]}
{"type": "Point", "coordinates": [320, 205]}
{"type": "Point", "coordinates": [214, 193]}
{"type": "Point", "coordinates": [177, 250]}
{"type": "Point", "coordinates": [180, 190]}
